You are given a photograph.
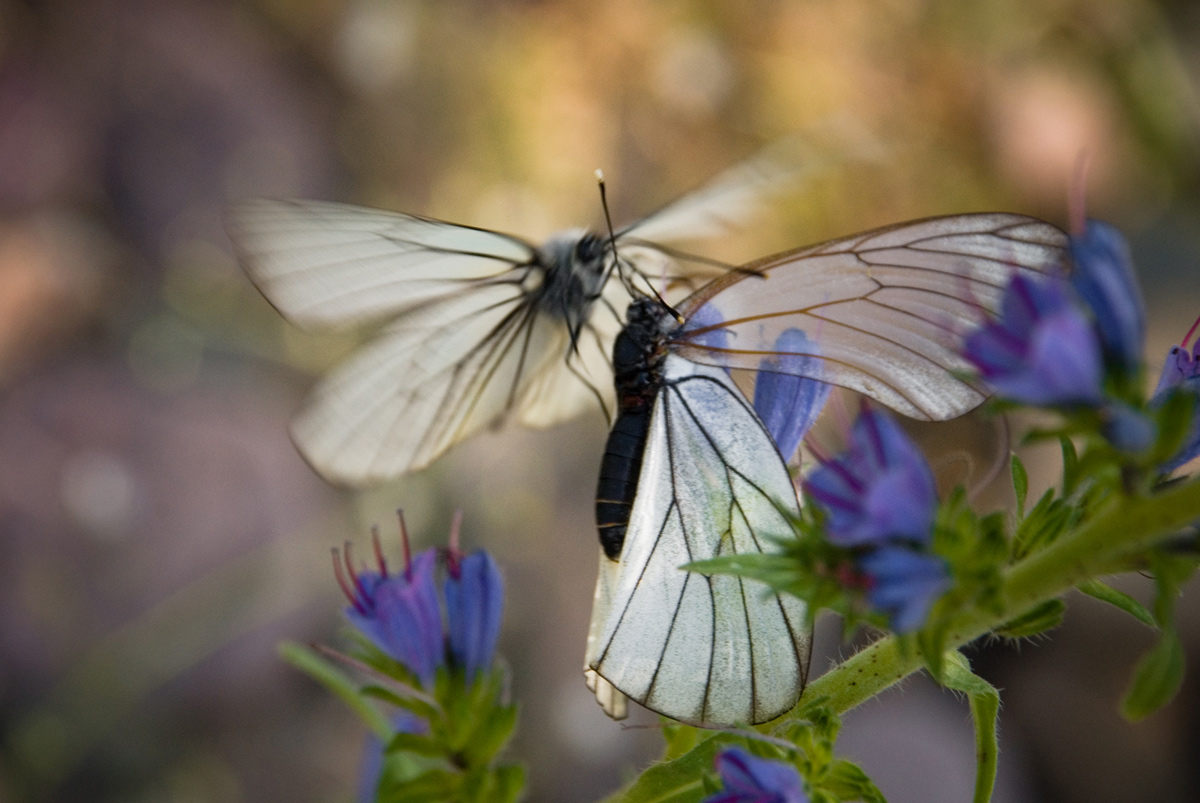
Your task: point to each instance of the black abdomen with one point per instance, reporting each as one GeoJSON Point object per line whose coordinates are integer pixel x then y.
{"type": "Point", "coordinates": [637, 357]}
{"type": "Point", "coordinates": [619, 472]}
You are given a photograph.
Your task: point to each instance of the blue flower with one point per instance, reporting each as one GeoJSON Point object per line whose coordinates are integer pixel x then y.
{"type": "Point", "coordinates": [1043, 350]}
{"type": "Point", "coordinates": [749, 779]}
{"type": "Point", "coordinates": [474, 605]}
{"type": "Point", "coordinates": [1128, 429]}
{"type": "Point", "coordinates": [398, 612]}
{"type": "Point", "coordinates": [904, 584]}
{"type": "Point", "coordinates": [1181, 370]}
{"type": "Point", "coordinates": [1102, 274]}
{"type": "Point", "coordinates": [788, 395]}
{"type": "Point", "coordinates": [880, 489]}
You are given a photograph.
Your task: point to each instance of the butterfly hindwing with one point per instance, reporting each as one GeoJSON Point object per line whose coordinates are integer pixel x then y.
{"type": "Point", "coordinates": [718, 649]}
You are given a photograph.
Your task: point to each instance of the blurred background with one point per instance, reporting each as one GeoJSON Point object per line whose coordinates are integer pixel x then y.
{"type": "Point", "coordinates": [158, 533]}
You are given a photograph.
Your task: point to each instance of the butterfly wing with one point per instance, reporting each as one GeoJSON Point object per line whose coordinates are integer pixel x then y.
{"type": "Point", "coordinates": [326, 265]}
{"type": "Point", "coordinates": [435, 377]}
{"type": "Point", "coordinates": [886, 310]}
{"type": "Point", "coordinates": [720, 649]}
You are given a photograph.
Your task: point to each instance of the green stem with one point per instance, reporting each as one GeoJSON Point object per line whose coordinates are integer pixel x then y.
{"type": "Point", "coordinates": [1124, 528]}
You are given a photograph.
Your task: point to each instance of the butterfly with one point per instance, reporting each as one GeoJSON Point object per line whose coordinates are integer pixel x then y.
{"type": "Point", "coordinates": [480, 325]}
{"type": "Point", "coordinates": [693, 470]}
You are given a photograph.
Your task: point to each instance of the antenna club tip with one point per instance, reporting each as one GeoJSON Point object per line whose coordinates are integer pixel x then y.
{"type": "Point", "coordinates": [599, 174]}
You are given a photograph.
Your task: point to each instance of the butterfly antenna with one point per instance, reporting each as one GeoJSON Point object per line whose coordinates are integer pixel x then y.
{"type": "Point", "coordinates": [617, 261]}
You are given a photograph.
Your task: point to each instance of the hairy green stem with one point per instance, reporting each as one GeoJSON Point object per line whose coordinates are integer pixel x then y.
{"type": "Point", "coordinates": [1125, 527]}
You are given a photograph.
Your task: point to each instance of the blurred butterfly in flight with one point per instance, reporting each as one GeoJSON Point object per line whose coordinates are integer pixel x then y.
{"type": "Point", "coordinates": [693, 469]}
{"type": "Point", "coordinates": [480, 325]}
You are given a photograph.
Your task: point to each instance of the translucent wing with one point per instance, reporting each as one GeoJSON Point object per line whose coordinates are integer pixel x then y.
{"type": "Point", "coordinates": [731, 199]}
{"type": "Point", "coordinates": [433, 378]}
{"type": "Point", "coordinates": [719, 650]}
{"type": "Point", "coordinates": [886, 310]}
{"type": "Point", "coordinates": [327, 264]}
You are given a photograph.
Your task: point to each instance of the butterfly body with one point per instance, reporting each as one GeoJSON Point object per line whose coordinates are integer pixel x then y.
{"type": "Point", "coordinates": [573, 266]}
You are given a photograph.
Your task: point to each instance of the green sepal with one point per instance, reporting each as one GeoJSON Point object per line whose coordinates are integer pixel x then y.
{"type": "Point", "coordinates": [1156, 679]}
{"type": "Point", "coordinates": [985, 710]}
{"type": "Point", "coordinates": [1119, 599]}
{"type": "Point", "coordinates": [1038, 619]}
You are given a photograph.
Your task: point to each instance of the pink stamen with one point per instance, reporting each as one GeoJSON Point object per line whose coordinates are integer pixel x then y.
{"type": "Point", "coordinates": [407, 548]}
{"type": "Point", "coordinates": [383, 571]}
{"type": "Point", "coordinates": [454, 553]}
{"type": "Point", "coordinates": [1077, 195]}
{"type": "Point", "coordinates": [1191, 332]}
{"type": "Point", "coordinates": [342, 582]}
{"type": "Point", "coordinates": [362, 591]}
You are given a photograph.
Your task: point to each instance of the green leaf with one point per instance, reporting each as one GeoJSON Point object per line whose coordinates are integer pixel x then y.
{"type": "Point", "coordinates": [847, 781]}
{"type": "Point", "coordinates": [1038, 619]}
{"type": "Point", "coordinates": [488, 740]}
{"type": "Point", "coordinates": [1106, 593]}
{"type": "Point", "coordinates": [508, 782]}
{"type": "Point", "coordinates": [431, 786]}
{"type": "Point", "coordinates": [1020, 479]}
{"type": "Point", "coordinates": [932, 643]}
{"type": "Point", "coordinates": [985, 710]}
{"type": "Point", "coordinates": [680, 738]}
{"type": "Point", "coordinates": [676, 781]}
{"type": "Point", "coordinates": [419, 707]}
{"type": "Point", "coordinates": [416, 744]}
{"type": "Point", "coordinates": [1070, 464]}
{"type": "Point", "coordinates": [332, 678]}
{"type": "Point", "coordinates": [1156, 680]}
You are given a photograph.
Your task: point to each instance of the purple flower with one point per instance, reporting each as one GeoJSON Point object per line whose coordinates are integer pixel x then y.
{"type": "Point", "coordinates": [474, 605]}
{"type": "Point", "coordinates": [398, 612]}
{"type": "Point", "coordinates": [1102, 274]}
{"type": "Point", "coordinates": [904, 584]}
{"type": "Point", "coordinates": [1182, 370]}
{"type": "Point", "coordinates": [1043, 350]}
{"type": "Point", "coordinates": [880, 489]}
{"type": "Point", "coordinates": [749, 779]}
{"type": "Point", "coordinates": [788, 397]}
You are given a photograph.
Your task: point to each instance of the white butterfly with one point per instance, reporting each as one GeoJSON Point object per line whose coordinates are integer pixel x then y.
{"type": "Point", "coordinates": [691, 471]}
{"type": "Point", "coordinates": [482, 325]}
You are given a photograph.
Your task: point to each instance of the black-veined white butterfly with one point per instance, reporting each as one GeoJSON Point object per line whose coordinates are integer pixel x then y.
{"type": "Point", "coordinates": [691, 471]}
{"type": "Point", "coordinates": [483, 325]}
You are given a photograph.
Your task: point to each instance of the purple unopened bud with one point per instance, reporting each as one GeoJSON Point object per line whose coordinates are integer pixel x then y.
{"type": "Point", "coordinates": [1042, 350]}
{"type": "Point", "coordinates": [1182, 370]}
{"type": "Point", "coordinates": [398, 612]}
{"type": "Point", "coordinates": [881, 488]}
{"type": "Point", "coordinates": [904, 584]}
{"type": "Point", "coordinates": [1102, 274]}
{"type": "Point", "coordinates": [788, 394]}
{"type": "Point", "coordinates": [474, 605]}
{"type": "Point", "coordinates": [749, 779]}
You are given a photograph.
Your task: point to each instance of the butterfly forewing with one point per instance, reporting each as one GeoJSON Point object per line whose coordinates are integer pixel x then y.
{"type": "Point", "coordinates": [719, 650]}
{"type": "Point", "coordinates": [328, 264]}
{"type": "Point", "coordinates": [886, 310]}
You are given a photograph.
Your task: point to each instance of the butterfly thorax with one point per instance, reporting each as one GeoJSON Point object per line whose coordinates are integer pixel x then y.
{"type": "Point", "coordinates": [573, 265]}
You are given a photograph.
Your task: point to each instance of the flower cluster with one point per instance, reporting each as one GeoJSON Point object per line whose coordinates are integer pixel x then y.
{"type": "Point", "coordinates": [879, 501]}
{"type": "Point", "coordinates": [748, 779]}
{"type": "Point", "coordinates": [402, 612]}
{"type": "Point", "coordinates": [1075, 342]}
